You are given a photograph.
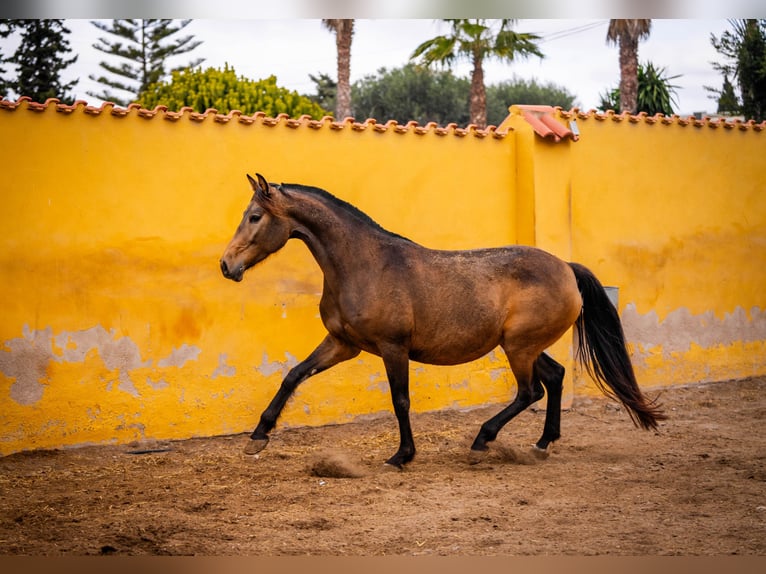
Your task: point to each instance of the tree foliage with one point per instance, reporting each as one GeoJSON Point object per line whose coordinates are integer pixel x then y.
{"type": "Point", "coordinates": [529, 92]}
{"type": "Point", "coordinates": [744, 50]}
{"type": "Point", "coordinates": [326, 91]}
{"type": "Point", "coordinates": [412, 93]}
{"type": "Point", "coordinates": [39, 59]}
{"type": "Point", "coordinates": [6, 29]}
{"type": "Point", "coordinates": [477, 40]}
{"type": "Point", "coordinates": [224, 91]}
{"type": "Point", "coordinates": [424, 95]}
{"type": "Point", "coordinates": [142, 48]}
{"type": "Point", "coordinates": [728, 102]}
{"type": "Point", "coordinates": [656, 93]}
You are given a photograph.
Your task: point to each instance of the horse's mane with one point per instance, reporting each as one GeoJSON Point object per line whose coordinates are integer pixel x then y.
{"type": "Point", "coordinates": [328, 197]}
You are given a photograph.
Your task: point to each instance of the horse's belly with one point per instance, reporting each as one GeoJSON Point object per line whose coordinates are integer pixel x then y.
{"type": "Point", "coordinates": [455, 349]}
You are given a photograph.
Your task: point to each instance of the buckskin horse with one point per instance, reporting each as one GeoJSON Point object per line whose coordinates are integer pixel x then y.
{"type": "Point", "coordinates": [391, 297]}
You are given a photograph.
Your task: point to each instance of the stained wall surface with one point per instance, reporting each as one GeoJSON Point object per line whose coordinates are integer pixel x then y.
{"type": "Point", "coordinates": [670, 213]}
{"type": "Point", "coordinates": [673, 213]}
{"type": "Point", "coordinates": [117, 324]}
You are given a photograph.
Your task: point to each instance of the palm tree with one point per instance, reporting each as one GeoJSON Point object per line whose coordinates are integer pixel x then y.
{"type": "Point", "coordinates": [626, 34]}
{"type": "Point", "coordinates": [344, 32]}
{"type": "Point", "coordinates": [477, 40]}
{"type": "Point", "coordinates": [656, 93]}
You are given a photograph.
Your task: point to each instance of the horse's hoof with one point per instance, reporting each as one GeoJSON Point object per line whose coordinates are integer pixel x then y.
{"type": "Point", "coordinates": [477, 456]}
{"type": "Point", "coordinates": [256, 445]}
{"type": "Point", "coordinates": [391, 467]}
{"type": "Point", "coordinates": [539, 453]}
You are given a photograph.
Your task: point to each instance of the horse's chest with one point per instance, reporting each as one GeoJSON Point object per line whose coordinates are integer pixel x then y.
{"type": "Point", "coordinates": [362, 322]}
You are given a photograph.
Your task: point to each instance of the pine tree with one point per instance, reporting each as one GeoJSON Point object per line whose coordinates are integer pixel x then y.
{"type": "Point", "coordinates": [143, 46]}
{"type": "Point", "coordinates": [744, 50]}
{"type": "Point", "coordinates": [727, 99]}
{"type": "Point", "coordinates": [326, 91]}
{"type": "Point", "coordinates": [6, 28]}
{"type": "Point", "coordinates": [40, 59]}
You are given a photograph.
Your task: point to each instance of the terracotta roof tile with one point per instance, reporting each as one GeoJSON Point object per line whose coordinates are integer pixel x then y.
{"type": "Point", "coordinates": [661, 119]}
{"type": "Point", "coordinates": [547, 121]}
{"type": "Point", "coordinates": [543, 120]}
{"type": "Point", "coordinates": [187, 113]}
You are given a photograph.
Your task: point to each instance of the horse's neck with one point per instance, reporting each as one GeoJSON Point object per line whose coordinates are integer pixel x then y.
{"type": "Point", "coordinates": [336, 238]}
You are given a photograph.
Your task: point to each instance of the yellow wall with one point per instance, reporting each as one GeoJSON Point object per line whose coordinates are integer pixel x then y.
{"type": "Point", "coordinates": [117, 324]}
{"type": "Point", "coordinates": [670, 211]}
{"type": "Point", "coordinates": [543, 211]}
{"type": "Point", "coordinates": [673, 213]}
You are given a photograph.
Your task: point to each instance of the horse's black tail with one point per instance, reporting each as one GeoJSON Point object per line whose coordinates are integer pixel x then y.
{"type": "Point", "coordinates": [601, 349]}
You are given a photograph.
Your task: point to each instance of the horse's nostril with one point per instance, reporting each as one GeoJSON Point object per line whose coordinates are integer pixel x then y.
{"type": "Point", "coordinates": [224, 268]}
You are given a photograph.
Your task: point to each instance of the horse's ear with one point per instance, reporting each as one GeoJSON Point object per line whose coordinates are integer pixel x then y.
{"type": "Point", "coordinates": [264, 185]}
{"type": "Point", "coordinates": [260, 187]}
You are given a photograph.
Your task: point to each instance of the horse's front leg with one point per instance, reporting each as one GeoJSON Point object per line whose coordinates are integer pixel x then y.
{"type": "Point", "coordinates": [330, 351]}
{"type": "Point", "coordinates": [396, 361]}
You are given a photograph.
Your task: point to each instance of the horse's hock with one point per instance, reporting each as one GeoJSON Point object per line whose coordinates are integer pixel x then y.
{"type": "Point", "coordinates": [117, 325]}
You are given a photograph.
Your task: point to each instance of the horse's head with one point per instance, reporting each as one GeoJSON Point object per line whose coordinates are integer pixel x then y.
{"type": "Point", "coordinates": [263, 230]}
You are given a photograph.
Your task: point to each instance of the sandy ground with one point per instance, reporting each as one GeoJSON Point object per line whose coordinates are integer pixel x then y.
{"type": "Point", "coordinates": [695, 487]}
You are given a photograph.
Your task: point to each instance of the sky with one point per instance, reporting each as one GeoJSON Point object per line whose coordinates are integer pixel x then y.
{"type": "Point", "coordinates": [577, 56]}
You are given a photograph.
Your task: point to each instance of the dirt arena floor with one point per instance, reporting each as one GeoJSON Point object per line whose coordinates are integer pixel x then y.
{"type": "Point", "coordinates": [696, 487]}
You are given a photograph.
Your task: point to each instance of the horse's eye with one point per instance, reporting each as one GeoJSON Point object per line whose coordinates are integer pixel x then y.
{"type": "Point", "coordinates": [255, 218]}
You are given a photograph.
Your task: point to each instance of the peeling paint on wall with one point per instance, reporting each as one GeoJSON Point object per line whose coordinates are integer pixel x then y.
{"type": "Point", "coordinates": [461, 384]}
{"type": "Point", "coordinates": [267, 368]}
{"type": "Point", "coordinates": [680, 329]}
{"type": "Point", "coordinates": [179, 357]}
{"type": "Point", "coordinates": [223, 370]}
{"type": "Point", "coordinates": [496, 356]}
{"type": "Point", "coordinates": [157, 385]}
{"type": "Point", "coordinates": [378, 382]}
{"type": "Point", "coordinates": [27, 359]}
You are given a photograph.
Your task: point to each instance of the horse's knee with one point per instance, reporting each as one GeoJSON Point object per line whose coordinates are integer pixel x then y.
{"type": "Point", "coordinates": [401, 404]}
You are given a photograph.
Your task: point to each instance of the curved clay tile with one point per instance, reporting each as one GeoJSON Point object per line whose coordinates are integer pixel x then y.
{"type": "Point", "coordinates": [673, 119]}
{"type": "Point", "coordinates": [546, 119]}
{"type": "Point", "coordinates": [543, 122]}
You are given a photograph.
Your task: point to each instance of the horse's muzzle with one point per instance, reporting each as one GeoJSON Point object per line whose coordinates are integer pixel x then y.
{"type": "Point", "coordinates": [233, 274]}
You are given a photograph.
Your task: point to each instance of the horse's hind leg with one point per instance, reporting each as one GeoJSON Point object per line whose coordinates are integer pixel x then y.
{"type": "Point", "coordinates": [330, 352]}
{"type": "Point", "coordinates": [551, 375]}
{"type": "Point", "coordinates": [529, 391]}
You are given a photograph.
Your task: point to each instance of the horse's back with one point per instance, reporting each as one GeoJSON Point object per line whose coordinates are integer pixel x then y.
{"type": "Point", "coordinates": [465, 303]}
{"type": "Point", "coordinates": [508, 270]}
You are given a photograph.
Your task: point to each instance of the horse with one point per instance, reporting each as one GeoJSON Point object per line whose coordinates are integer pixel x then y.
{"type": "Point", "coordinates": [391, 297]}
